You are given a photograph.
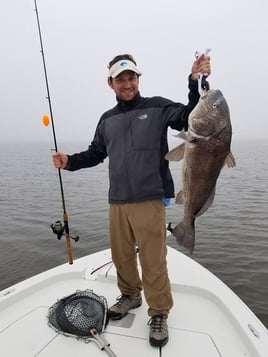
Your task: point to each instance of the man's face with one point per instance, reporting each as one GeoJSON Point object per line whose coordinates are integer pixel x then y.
{"type": "Point", "coordinates": [125, 85]}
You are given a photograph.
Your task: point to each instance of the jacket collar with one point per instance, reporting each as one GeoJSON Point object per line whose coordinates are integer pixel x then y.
{"type": "Point", "coordinates": [129, 104]}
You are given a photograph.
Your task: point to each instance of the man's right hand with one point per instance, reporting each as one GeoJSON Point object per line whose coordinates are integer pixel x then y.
{"type": "Point", "coordinates": [60, 160]}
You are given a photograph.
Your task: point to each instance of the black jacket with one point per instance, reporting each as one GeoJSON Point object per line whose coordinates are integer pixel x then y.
{"type": "Point", "coordinates": [134, 136]}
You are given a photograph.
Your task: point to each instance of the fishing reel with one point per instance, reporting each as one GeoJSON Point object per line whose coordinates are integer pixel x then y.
{"type": "Point", "coordinates": [60, 229]}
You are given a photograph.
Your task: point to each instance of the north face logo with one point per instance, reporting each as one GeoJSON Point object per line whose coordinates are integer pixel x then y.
{"type": "Point", "coordinates": [143, 116]}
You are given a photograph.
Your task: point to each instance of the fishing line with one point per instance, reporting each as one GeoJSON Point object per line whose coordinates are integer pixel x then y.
{"type": "Point", "coordinates": [57, 227]}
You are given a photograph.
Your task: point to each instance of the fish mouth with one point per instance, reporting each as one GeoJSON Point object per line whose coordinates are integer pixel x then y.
{"type": "Point", "coordinates": [214, 93]}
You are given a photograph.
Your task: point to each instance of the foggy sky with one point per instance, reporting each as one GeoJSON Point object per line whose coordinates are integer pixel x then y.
{"type": "Point", "coordinates": [80, 37]}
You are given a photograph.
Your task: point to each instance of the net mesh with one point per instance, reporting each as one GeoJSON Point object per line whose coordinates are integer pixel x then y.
{"type": "Point", "coordinates": [78, 313]}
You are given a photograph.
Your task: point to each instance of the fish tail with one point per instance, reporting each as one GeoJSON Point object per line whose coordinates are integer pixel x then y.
{"type": "Point", "coordinates": [185, 235]}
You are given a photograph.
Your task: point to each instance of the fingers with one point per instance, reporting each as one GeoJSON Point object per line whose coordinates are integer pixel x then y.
{"type": "Point", "coordinates": [59, 160]}
{"type": "Point", "coordinates": [201, 65]}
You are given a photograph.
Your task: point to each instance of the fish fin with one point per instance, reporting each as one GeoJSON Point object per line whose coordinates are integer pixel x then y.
{"type": "Point", "coordinates": [230, 160]}
{"type": "Point", "coordinates": [208, 203]}
{"type": "Point", "coordinates": [185, 235]}
{"type": "Point", "coordinates": [176, 154]}
{"type": "Point", "coordinates": [180, 199]}
{"type": "Point", "coordinates": [190, 137]}
{"type": "Point", "coordinates": [185, 135]}
{"type": "Point", "coordinates": [182, 135]}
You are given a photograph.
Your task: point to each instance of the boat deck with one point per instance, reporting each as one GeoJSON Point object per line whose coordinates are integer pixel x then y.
{"type": "Point", "coordinates": [207, 319]}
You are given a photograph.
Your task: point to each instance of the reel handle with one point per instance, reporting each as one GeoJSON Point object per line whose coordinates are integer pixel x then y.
{"type": "Point", "coordinates": [59, 229]}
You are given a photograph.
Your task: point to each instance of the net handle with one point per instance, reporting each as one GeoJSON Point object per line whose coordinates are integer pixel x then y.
{"type": "Point", "coordinates": [102, 343]}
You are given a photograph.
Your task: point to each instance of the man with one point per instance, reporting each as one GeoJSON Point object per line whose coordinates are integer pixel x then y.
{"type": "Point", "coordinates": [133, 135]}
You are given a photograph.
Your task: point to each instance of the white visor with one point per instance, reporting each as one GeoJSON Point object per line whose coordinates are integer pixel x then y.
{"type": "Point", "coordinates": [123, 65]}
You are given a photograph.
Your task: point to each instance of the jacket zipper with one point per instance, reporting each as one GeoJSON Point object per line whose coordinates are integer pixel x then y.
{"type": "Point", "coordinates": [127, 129]}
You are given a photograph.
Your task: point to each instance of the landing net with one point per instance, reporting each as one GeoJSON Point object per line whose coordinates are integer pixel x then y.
{"type": "Point", "coordinates": [79, 313]}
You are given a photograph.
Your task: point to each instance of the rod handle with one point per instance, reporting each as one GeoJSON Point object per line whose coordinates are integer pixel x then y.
{"type": "Point", "coordinates": [69, 249]}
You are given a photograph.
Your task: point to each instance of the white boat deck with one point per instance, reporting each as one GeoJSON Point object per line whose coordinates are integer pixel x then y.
{"type": "Point", "coordinates": [207, 320]}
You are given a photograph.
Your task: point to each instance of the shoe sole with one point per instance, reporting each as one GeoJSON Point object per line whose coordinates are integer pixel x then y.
{"type": "Point", "coordinates": [157, 343]}
{"type": "Point", "coordinates": [121, 316]}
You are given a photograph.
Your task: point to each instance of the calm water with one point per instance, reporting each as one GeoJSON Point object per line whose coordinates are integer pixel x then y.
{"type": "Point", "coordinates": [231, 237]}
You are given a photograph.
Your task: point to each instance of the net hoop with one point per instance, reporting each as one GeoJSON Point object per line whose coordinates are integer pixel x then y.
{"type": "Point", "coordinates": [76, 314]}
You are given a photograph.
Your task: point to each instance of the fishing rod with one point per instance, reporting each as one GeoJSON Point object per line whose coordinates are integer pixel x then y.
{"type": "Point", "coordinates": [58, 228]}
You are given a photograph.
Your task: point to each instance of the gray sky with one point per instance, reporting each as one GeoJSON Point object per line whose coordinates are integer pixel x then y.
{"type": "Point", "coordinates": [80, 37]}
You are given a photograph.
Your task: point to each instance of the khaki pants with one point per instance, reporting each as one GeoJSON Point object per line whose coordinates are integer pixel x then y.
{"type": "Point", "coordinates": [142, 224]}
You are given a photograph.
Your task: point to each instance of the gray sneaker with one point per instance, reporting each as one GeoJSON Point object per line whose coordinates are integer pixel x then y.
{"type": "Point", "coordinates": [123, 305]}
{"type": "Point", "coordinates": [158, 336]}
